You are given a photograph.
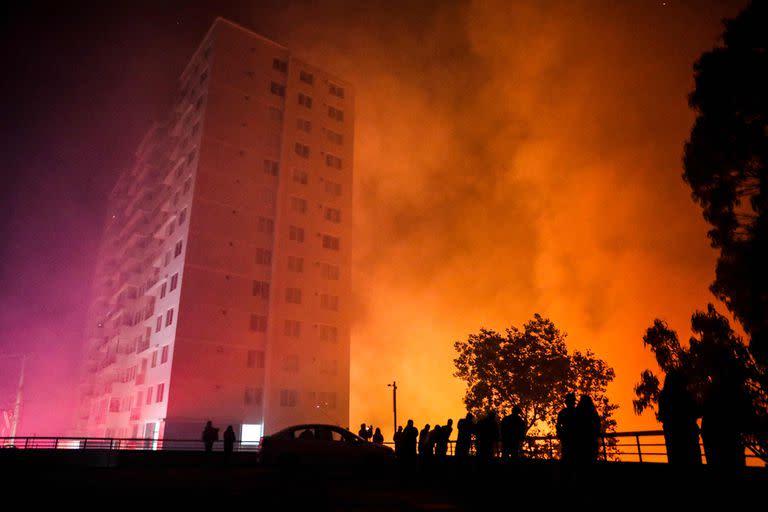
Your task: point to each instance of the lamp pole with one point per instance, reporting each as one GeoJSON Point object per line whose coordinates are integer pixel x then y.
{"type": "Point", "coordinates": [394, 403]}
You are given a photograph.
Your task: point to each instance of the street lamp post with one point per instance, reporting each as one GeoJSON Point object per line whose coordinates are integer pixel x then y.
{"type": "Point", "coordinates": [394, 403]}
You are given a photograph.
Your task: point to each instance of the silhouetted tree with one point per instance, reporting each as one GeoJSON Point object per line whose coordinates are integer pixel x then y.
{"type": "Point", "coordinates": [714, 353]}
{"type": "Point", "coordinates": [530, 368]}
{"type": "Point", "coordinates": [726, 166]}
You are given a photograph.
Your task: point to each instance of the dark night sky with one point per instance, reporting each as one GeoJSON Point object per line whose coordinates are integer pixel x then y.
{"type": "Point", "coordinates": [83, 82]}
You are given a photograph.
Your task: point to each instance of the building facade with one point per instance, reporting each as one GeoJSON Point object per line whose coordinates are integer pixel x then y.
{"type": "Point", "coordinates": [223, 279]}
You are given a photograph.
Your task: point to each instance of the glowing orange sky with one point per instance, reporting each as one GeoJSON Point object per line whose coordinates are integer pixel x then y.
{"type": "Point", "coordinates": [514, 158]}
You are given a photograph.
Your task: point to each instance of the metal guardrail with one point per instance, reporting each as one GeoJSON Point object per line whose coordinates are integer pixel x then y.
{"type": "Point", "coordinates": [641, 446]}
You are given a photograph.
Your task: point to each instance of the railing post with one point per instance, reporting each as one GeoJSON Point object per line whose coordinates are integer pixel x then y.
{"type": "Point", "coordinates": [639, 451]}
{"type": "Point", "coordinates": [26, 442]}
{"type": "Point", "coordinates": [85, 443]}
{"type": "Point", "coordinates": [56, 444]}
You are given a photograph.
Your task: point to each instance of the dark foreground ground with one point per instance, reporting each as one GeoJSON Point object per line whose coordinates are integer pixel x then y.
{"type": "Point", "coordinates": [102, 480]}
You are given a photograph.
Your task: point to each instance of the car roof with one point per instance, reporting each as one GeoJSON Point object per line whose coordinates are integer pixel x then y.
{"type": "Point", "coordinates": [315, 425]}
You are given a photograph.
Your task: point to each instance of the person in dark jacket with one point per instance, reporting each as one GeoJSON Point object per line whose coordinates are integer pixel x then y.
{"type": "Point", "coordinates": [466, 427]}
{"type": "Point", "coordinates": [513, 430]}
{"type": "Point", "coordinates": [210, 436]}
{"type": "Point", "coordinates": [566, 428]}
{"type": "Point", "coordinates": [229, 441]}
{"type": "Point", "coordinates": [587, 432]}
{"type": "Point", "coordinates": [678, 413]}
{"type": "Point", "coordinates": [378, 438]}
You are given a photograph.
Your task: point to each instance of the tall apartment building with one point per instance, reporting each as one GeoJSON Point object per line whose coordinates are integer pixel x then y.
{"type": "Point", "coordinates": [223, 280]}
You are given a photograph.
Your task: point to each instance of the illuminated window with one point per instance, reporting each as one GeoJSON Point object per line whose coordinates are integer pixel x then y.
{"type": "Point", "coordinates": [261, 289]}
{"type": "Point", "coordinates": [174, 281]}
{"type": "Point", "coordinates": [255, 359]}
{"type": "Point", "coordinates": [154, 358]}
{"type": "Point", "coordinates": [277, 89]}
{"type": "Point", "coordinates": [159, 323]}
{"type": "Point", "coordinates": [336, 90]}
{"type": "Point", "coordinates": [296, 234]}
{"type": "Point", "coordinates": [293, 295]}
{"type": "Point", "coordinates": [332, 214]}
{"type": "Point", "coordinates": [305, 101]}
{"type": "Point", "coordinates": [177, 249]}
{"type": "Point", "coordinates": [263, 257]}
{"type": "Point", "coordinates": [335, 113]}
{"type": "Point", "coordinates": [331, 242]}
{"type": "Point", "coordinates": [332, 161]}
{"type": "Point", "coordinates": [304, 125]}
{"type": "Point", "coordinates": [306, 77]}
{"type": "Point", "coordinates": [300, 176]}
{"type": "Point", "coordinates": [295, 264]}
{"type": "Point", "coordinates": [164, 354]}
{"type": "Point", "coordinates": [258, 323]}
{"type": "Point", "coordinates": [292, 328]}
{"type": "Point", "coordinates": [299, 205]}
{"type": "Point", "coordinates": [330, 272]}
{"type": "Point", "coordinates": [169, 317]}
{"type": "Point", "coordinates": [301, 149]}
{"type": "Point", "coordinates": [288, 397]}
{"type": "Point", "coordinates": [271, 167]}
{"type": "Point", "coordinates": [279, 65]}
{"type": "Point", "coordinates": [160, 392]}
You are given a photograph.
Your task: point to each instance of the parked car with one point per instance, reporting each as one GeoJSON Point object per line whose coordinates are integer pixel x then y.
{"type": "Point", "coordinates": [321, 444]}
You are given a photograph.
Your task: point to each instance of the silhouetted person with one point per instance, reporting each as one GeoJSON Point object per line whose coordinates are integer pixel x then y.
{"type": "Point", "coordinates": [363, 432]}
{"type": "Point", "coordinates": [229, 441]}
{"type": "Point", "coordinates": [441, 446]}
{"type": "Point", "coordinates": [378, 438]}
{"type": "Point", "coordinates": [210, 436]}
{"type": "Point", "coordinates": [678, 413]}
{"type": "Point", "coordinates": [465, 427]}
{"type": "Point", "coordinates": [424, 442]}
{"type": "Point", "coordinates": [408, 440]}
{"type": "Point", "coordinates": [724, 420]}
{"type": "Point", "coordinates": [398, 439]}
{"type": "Point", "coordinates": [486, 437]}
{"type": "Point", "coordinates": [432, 438]}
{"type": "Point", "coordinates": [566, 428]}
{"type": "Point", "coordinates": [587, 431]}
{"type": "Point", "coordinates": [512, 434]}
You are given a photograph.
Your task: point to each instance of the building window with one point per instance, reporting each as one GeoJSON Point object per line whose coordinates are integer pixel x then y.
{"type": "Point", "coordinates": [280, 65]}
{"type": "Point", "coordinates": [159, 323]}
{"type": "Point", "coordinates": [164, 354]}
{"type": "Point", "coordinates": [253, 396]}
{"type": "Point", "coordinates": [263, 257]}
{"type": "Point", "coordinates": [154, 358]}
{"type": "Point", "coordinates": [295, 264]}
{"type": "Point", "coordinates": [162, 290]}
{"type": "Point", "coordinates": [305, 101]}
{"type": "Point", "coordinates": [182, 216]}
{"type": "Point", "coordinates": [187, 185]}
{"type": "Point", "coordinates": [332, 188]}
{"type": "Point", "coordinates": [330, 302]}
{"type": "Point", "coordinates": [293, 295]}
{"type": "Point", "coordinates": [291, 363]}
{"type": "Point", "coordinates": [306, 77]}
{"type": "Point", "coordinates": [334, 137]}
{"type": "Point", "coordinates": [329, 367]}
{"type": "Point", "coordinates": [299, 205]}
{"type": "Point", "coordinates": [277, 89]}
{"type": "Point", "coordinates": [177, 249]}
{"type": "Point", "coordinates": [160, 392]}
{"type": "Point", "coordinates": [275, 114]}
{"type": "Point", "coordinates": [255, 359]}
{"type": "Point", "coordinates": [331, 242]}
{"type": "Point", "coordinates": [304, 125]}
{"type": "Point", "coordinates": [301, 149]}
{"type": "Point", "coordinates": [330, 272]}
{"type": "Point", "coordinates": [265, 225]}
{"type": "Point", "coordinates": [300, 176]}
{"type": "Point", "coordinates": [292, 328]}
{"type": "Point", "coordinates": [332, 161]}
{"type": "Point", "coordinates": [336, 90]}
{"type": "Point", "coordinates": [261, 289]}
{"type": "Point", "coordinates": [288, 397]}
{"type": "Point", "coordinates": [296, 234]}
{"type": "Point", "coordinates": [332, 214]}
{"type": "Point", "coordinates": [271, 167]}
{"type": "Point", "coordinates": [169, 230]}
{"type": "Point", "coordinates": [174, 281]}
{"type": "Point", "coordinates": [258, 323]}
{"type": "Point", "coordinates": [335, 113]}
{"type": "Point", "coordinates": [329, 333]}
{"type": "Point", "coordinates": [149, 395]}
{"type": "Point", "coordinates": [169, 317]}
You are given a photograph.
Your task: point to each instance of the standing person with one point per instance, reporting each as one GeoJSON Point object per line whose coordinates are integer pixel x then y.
{"type": "Point", "coordinates": [466, 427]}
{"type": "Point", "coordinates": [512, 434]}
{"type": "Point", "coordinates": [565, 427]}
{"type": "Point", "coordinates": [726, 417]}
{"type": "Point", "coordinates": [487, 436]}
{"type": "Point", "coordinates": [378, 438]}
{"type": "Point", "coordinates": [432, 438]}
{"type": "Point", "coordinates": [409, 437]}
{"type": "Point", "coordinates": [424, 442]}
{"type": "Point", "coordinates": [441, 447]}
{"type": "Point", "coordinates": [398, 439]}
{"type": "Point", "coordinates": [363, 432]}
{"type": "Point", "coordinates": [210, 436]}
{"type": "Point", "coordinates": [229, 441]}
{"type": "Point", "coordinates": [587, 431]}
{"type": "Point", "coordinates": [678, 413]}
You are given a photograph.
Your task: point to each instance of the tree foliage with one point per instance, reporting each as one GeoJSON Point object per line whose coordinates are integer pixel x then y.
{"type": "Point", "coordinates": [726, 166]}
{"type": "Point", "coordinates": [530, 368]}
{"type": "Point", "coordinates": [713, 351]}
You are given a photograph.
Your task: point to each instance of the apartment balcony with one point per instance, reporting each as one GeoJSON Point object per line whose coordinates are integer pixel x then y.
{"type": "Point", "coordinates": [142, 345]}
